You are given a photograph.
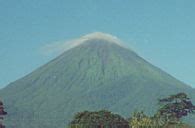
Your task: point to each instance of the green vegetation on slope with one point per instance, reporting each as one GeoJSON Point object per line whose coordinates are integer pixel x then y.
{"type": "Point", "coordinates": [94, 75]}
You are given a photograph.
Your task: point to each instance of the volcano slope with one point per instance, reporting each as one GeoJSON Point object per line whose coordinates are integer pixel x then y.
{"type": "Point", "coordinates": [96, 74]}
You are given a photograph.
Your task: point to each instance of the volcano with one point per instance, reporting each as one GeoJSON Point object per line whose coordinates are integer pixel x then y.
{"type": "Point", "coordinates": [97, 72]}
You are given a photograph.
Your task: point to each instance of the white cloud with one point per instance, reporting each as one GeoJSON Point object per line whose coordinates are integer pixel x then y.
{"type": "Point", "coordinates": [61, 46]}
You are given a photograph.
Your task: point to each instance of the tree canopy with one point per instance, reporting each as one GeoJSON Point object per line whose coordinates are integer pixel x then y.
{"type": "Point", "coordinates": [172, 109]}
{"type": "Point", "coordinates": [2, 113]}
{"type": "Point", "coordinates": [98, 119]}
{"type": "Point", "coordinates": [175, 107]}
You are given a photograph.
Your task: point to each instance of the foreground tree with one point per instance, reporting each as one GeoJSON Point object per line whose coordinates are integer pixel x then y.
{"type": "Point", "coordinates": [2, 113]}
{"type": "Point", "coordinates": [99, 119]}
{"type": "Point", "coordinates": [140, 120]}
{"type": "Point", "coordinates": [174, 108]}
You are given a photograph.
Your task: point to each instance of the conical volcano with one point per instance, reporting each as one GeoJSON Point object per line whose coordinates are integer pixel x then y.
{"type": "Point", "coordinates": [98, 72]}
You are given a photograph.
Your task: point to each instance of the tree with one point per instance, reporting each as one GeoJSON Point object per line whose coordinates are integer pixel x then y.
{"type": "Point", "coordinates": [98, 119]}
{"type": "Point", "coordinates": [175, 107]}
{"type": "Point", "coordinates": [139, 119]}
{"type": "Point", "coordinates": [2, 113]}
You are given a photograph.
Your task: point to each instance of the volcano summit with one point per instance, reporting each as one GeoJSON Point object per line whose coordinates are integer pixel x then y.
{"type": "Point", "coordinates": [97, 72]}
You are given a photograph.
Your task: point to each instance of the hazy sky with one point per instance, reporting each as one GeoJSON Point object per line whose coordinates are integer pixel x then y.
{"type": "Point", "coordinates": [161, 31]}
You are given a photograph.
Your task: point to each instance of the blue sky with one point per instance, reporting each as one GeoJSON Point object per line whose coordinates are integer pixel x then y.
{"type": "Point", "coordinates": [161, 31]}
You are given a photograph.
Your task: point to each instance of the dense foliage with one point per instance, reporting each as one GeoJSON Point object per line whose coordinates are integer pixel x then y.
{"type": "Point", "coordinates": [139, 119]}
{"type": "Point", "coordinates": [175, 107]}
{"type": "Point", "coordinates": [168, 115]}
{"type": "Point", "coordinates": [2, 113]}
{"type": "Point", "coordinates": [98, 119]}
{"type": "Point", "coordinates": [172, 109]}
